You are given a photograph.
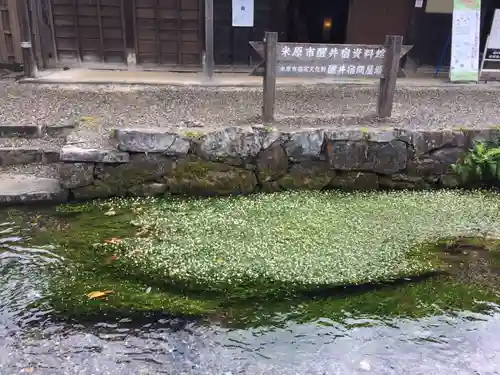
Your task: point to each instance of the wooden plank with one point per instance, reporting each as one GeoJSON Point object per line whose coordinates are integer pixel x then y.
{"type": "Point", "coordinates": [15, 29]}
{"type": "Point", "coordinates": [42, 14]}
{"type": "Point", "coordinates": [29, 64]}
{"type": "Point", "coordinates": [388, 81]}
{"type": "Point", "coordinates": [4, 56]}
{"type": "Point", "coordinates": [77, 29]}
{"type": "Point", "coordinates": [101, 35]}
{"type": "Point", "coordinates": [209, 38]}
{"type": "Point", "coordinates": [179, 31]}
{"type": "Point", "coordinates": [271, 44]}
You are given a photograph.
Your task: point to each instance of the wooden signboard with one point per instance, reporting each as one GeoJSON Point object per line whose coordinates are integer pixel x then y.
{"type": "Point", "coordinates": [490, 64]}
{"type": "Point", "coordinates": [326, 60]}
{"type": "Point", "coordinates": [329, 60]}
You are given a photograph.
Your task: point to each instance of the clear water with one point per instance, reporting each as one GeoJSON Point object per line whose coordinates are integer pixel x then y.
{"type": "Point", "coordinates": [31, 341]}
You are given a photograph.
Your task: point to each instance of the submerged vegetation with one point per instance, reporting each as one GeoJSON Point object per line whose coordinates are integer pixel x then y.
{"type": "Point", "coordinates": [306, 251]}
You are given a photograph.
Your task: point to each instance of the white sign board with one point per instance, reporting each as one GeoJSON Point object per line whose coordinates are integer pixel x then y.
{"type": "Point", "coordinates": [490, 69]}
{"type": "Point", "coordinates": [243, 11]}
{"type": "Point", "coordinates": [465, 41]}
{"type": "Point", "coordinates": [494, 37]}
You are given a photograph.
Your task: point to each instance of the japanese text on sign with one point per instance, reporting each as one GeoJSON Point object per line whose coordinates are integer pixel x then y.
{"type": "Point", "coordinates": [291, 52]}
{"type": "Point", "coordinates": [332, 69]}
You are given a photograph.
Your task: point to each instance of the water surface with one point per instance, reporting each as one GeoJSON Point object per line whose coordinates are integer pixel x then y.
{"type": "Point", "coordinates": [430, 327]}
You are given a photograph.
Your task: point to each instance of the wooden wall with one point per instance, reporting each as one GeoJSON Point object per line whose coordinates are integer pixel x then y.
{"type": "Point", "coordinates": [10, 39]}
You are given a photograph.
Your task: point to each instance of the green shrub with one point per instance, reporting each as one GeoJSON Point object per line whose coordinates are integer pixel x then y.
{"type": "Point", "coordinates": [480, 167]}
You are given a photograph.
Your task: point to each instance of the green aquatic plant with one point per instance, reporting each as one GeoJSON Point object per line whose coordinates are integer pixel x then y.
{"type": "Point", "coordinates": [277, 244]}
{"type": "Point", "coordinates": [211, 257]}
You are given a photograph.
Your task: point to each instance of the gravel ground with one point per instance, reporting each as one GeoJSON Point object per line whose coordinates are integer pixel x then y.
{"type": "Point", "coordinates": [40, 143]}
{"type": "Point", "coordinates": [34, 170]}
{"type": "Point", "coordinates": [104, 107]}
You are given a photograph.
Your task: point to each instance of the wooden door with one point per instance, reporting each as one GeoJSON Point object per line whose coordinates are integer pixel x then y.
{"type": "Point", "coordinates": [169, 32]}
{"type": "Point", "coordinates": [89, 30]}
{"type": "Point", "coordinates": [370, 21]}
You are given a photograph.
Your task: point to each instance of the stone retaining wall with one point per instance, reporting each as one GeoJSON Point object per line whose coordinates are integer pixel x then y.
{"type": "Point", "coordinates": [247, 160]}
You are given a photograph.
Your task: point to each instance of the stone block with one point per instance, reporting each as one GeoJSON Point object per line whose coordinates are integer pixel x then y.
{"type": "Point", "coordinates": [141, 168]}
{"type": "Point", "coordinates": [93, 155]}
{"type": "Point", "coordinates": [272, 163]}
{"type": "Point", "coordinates": [383, 158]}
{"type": "Point", "coordinates": [73, 175]}
{"type": "Point", "coordinates": [307, 175]}
{"type": "Point", "coordinates": [400, 181]}
{"type": "Point", "coordinates": [426, 141]}
{"type": "Point", "coordinates": [20, 188]}
{"type": "Point", "coordinates": [152, 140]}
{"type": "Point", "coordinates": [194, 176]}
{"type": "Point", "coordinates": [348, 180]}
{"type": "Point", "coordinates": [235, 144]}
{"type": "Point", "coordinates": [362, 134]}
{"type": "Point", "coordinates": [305, 145]}
{"type": "Point", "coordinates": [98, 189]}
{"type": "Point", "coordinates": [436, 163]}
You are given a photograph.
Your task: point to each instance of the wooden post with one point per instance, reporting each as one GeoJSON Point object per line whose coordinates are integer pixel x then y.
{"type": "Point", "coordinates": [26, 45]}
{"type": "Point", "coordinates": [208, 58]}
{"type": "Point", "coordinates": [271, 60]}
{"type": "Point", "coordinates": [387, 86]}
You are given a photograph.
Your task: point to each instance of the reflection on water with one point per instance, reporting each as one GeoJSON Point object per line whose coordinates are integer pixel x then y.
{"type": "Point", "coordinates": [343, 335]}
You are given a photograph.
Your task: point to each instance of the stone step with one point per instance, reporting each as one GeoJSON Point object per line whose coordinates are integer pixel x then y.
{"type": "Point", "coordinates": [18, 188]}
{"type": "Point", "coordinates": [18, 151]}
{"type": "Point", "coordinates": [36, 131]}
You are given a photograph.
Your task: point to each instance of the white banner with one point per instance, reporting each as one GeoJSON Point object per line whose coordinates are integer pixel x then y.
{"type": "Point", "coordinates": [465, 41]}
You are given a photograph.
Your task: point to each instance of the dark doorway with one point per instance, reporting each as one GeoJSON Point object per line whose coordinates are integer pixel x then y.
{"type": "Point", "coordinates": [318, 21]}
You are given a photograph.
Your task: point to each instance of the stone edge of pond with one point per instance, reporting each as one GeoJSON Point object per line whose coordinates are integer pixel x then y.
{"type": "Point", "coordinates": [245, 160]}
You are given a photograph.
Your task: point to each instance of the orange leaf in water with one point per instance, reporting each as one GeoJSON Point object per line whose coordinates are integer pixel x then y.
{"type": "Point", "coordinates": [99, 294]}
{"type": "Point", "coordinates": [113, 241]}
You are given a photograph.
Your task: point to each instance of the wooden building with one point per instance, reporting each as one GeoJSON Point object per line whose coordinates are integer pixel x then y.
{"type": "Point", "coordinates": [170, 34]}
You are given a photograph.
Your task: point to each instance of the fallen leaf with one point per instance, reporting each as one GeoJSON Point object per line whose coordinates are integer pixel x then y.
{"type": "Point", "coordinates": [99, 294]}
{"type": "Point", "coordinates": [113, 258]}
{"type": "Point", "coordinates": [110, 213]}
{"type": "Point", "coordinates": [113, 241]}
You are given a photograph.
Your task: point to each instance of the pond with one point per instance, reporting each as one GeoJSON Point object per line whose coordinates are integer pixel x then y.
{"type": "Point", "coordinates": [433, 324]}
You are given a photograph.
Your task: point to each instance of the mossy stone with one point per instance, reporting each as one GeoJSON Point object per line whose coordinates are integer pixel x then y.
{"type": "Point", "coordinates": [142, 168]}
{"type": "Point", "coordinates": [307, 175]}
{"type": "Point", "coordinates": [194, 176]}
{"type": "Point", "coordinates": [272, 163]}
{"type": "Point", "coordinates": [355, 181]}
{"type": "Point", "coordinates": [98, 189]}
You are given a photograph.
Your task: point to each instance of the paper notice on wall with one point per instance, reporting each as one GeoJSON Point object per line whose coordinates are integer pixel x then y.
{"type": "Point", "coordinates": [243, 11]}
{"type": "Point", "coordinates": [419, 3]}
{"type": "Point", "coordinates": [465, 41]}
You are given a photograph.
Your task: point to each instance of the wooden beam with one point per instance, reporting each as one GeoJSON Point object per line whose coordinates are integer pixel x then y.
{"type": "Point", "coordinates": [29, 65]}
{"type": "Point", "coordinates": [271, 62]}
{"type": "Point", "coordinates": [390, 74]}
{"type": "Point", "coordinates": [209, 39]}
